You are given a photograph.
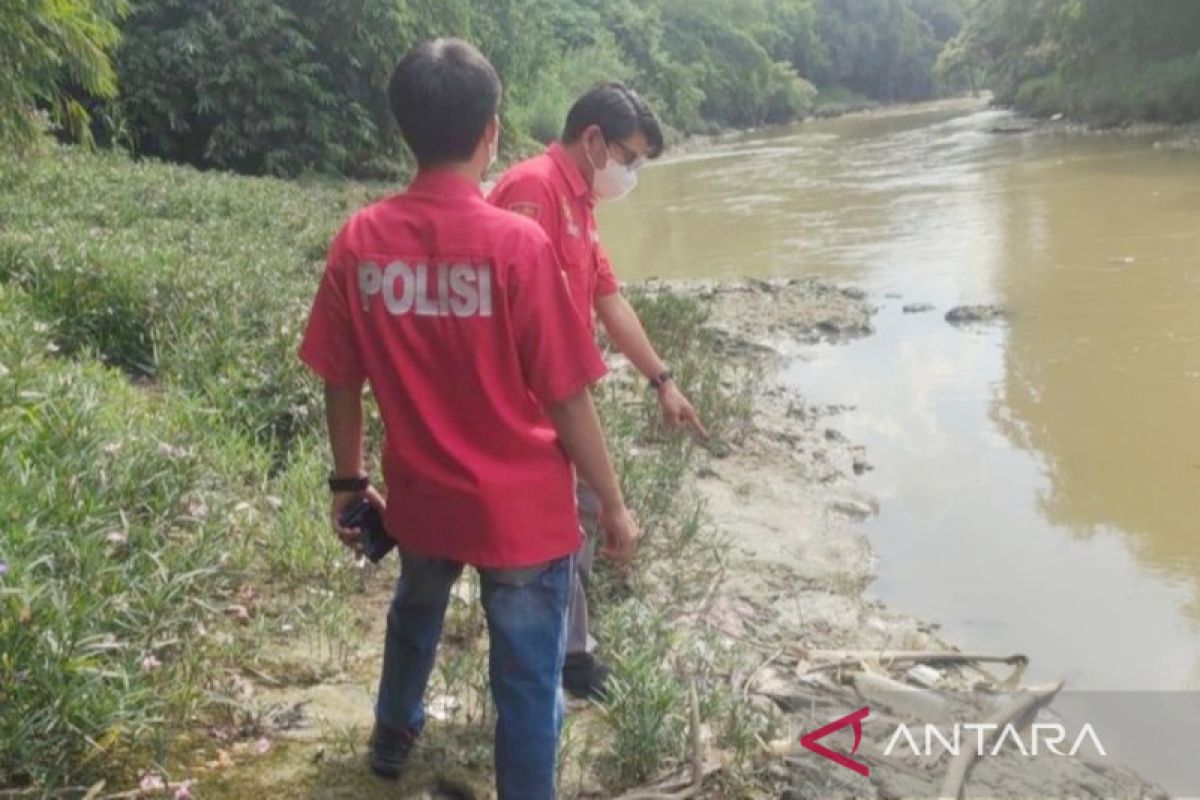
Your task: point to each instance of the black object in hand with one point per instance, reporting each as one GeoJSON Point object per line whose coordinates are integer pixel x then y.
{"type": "Point", "coordinates": [375, 541]}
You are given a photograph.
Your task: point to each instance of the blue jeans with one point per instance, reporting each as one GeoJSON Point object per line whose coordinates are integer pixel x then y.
{"type": "Point", "coordinates": [526, 616]}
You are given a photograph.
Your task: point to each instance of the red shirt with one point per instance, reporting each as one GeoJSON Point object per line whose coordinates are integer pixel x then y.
{"type": "Point", "coordinates": [457, 314]}
{"type": "Point", "coordinates": [550, 189]}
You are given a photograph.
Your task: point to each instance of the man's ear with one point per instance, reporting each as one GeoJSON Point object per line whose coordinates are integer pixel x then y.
{"type": "Point", "coordinates": [595, 146]}
{"type": "Point", "coordinates": [491, 131]}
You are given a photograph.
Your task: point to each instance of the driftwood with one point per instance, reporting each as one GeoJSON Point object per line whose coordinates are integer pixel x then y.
{"type": "Point", "coordinates": [838, 659]}
{"type": "Point", "coordinates": [901, 697]}
{"type": "Point", "coordinates": [1017, 712]}
{"type": "Point", "coordinates": [676, 788]}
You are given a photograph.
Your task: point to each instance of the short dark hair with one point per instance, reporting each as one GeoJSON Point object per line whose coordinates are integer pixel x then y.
{"type": "Point", "coordinates": [443, 93]}
{"type": "Point", "coordinates": [619, 111]}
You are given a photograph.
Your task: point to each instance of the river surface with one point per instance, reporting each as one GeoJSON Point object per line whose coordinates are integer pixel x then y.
{"type": "Point", "coordinates": [1040, 479]}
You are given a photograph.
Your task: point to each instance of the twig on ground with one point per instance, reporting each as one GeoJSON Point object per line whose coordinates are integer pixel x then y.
{"type": "Point", "coordinates": [753, 676]}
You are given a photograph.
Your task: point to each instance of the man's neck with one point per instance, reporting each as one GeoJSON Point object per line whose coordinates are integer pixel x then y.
{"type": "Point", "coordinates": [467, 170]}
{"type": "Point", "coordinates": [578, 156]}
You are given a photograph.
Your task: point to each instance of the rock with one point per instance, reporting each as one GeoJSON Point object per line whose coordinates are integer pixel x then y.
{"type": "Point", "coordinates": [918, 308]}
{"type": "Point", "coordinates": [924, 675]}
{"type": "Point", "coordinates": [861, 464]}
{"type": "Point", "coordinates": [719, 449]}
{"type": "Point", "coordinates": [960, 315]}
{"type": "Point", "coordinates": [856, 509]}
{"type": "Point", "coordinates": [832, 435]}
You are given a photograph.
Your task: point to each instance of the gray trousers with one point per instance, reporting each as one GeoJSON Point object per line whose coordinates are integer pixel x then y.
{"type": "Point", "coordinates": [578, 638]}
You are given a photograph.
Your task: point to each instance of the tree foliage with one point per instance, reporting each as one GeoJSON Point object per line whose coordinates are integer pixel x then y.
{"type": "Point", "coordinates": [1105, 61]}
{"type": "Point", "coordinates": [46, 48]}
{"type": "Point", "coordinates": [290, 86]}
{"type": "Point", "coordinates": [885, 49]}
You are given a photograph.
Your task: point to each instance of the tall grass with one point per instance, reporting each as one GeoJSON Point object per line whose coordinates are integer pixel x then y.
{"type": "Point", "coordinates": [197, 280]}
{"type": "Point", "coordinates": [162, 454]}
{"type": "Point", "coordinates": [157, 450]}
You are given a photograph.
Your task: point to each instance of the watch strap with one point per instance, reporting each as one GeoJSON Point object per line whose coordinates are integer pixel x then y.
{"type": "Point", "coordinates": [356, 484]}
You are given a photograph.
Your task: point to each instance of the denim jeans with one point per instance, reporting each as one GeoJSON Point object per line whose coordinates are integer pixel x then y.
{"type": "Point", "coordinates": [579, 638]}
{"type": "Point", "coordinates": [526, 617]}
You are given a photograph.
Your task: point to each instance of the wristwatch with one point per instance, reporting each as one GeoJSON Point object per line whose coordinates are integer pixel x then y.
{"type": "Point", "coordinates": [356, 484]}
{"type": "Point", "coordinates": [661, 379]}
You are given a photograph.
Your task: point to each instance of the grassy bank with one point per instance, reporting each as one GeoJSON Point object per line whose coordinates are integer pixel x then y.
{"type": "Point", "coordinates": [161, 466]}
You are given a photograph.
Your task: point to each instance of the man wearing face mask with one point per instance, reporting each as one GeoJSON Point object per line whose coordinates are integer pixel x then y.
{"type": "Point", "coordinates": [457, 315]}
{"type": "Point", "coordinates": [609, 134]}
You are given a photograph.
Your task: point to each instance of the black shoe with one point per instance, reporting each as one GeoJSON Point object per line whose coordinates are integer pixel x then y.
{"type": "Point", "coordinates": [389, 750]}
{"type": "Point", "coordinates": [584, 676]}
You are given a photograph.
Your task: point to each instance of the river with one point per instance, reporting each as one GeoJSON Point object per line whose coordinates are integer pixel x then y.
{"type": "Point", "coordinates": [1040, 478]}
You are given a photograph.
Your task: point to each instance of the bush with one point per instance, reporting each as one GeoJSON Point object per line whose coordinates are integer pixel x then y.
{"type": "Point", "coordinates": [276, 87]}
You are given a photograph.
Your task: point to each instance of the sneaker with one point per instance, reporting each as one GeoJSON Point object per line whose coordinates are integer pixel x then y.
{"type": "Point", "coordinates": [585, 676]}
{"type": "Point", "coordinates": [389, 750]}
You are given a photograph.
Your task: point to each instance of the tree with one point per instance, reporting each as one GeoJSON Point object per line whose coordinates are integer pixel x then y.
{"type": "Point", "coordinates": [263, 86]}
{"type": "Point", "coordinates": [1105, 61]}
{"type": "Point", "coordinates": [46, 47]}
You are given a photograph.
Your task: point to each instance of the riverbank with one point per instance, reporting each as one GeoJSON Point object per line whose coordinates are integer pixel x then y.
{"type": "Point", "coordinates": [769, 622]}
{"type": "Point", "coordinates": [157, 419]}
{"type": "Point", "coordinates": [1161, 135]}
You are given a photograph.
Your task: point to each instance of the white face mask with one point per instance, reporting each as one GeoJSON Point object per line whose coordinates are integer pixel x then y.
{"type": "Point", "coordinates": [614, 181]}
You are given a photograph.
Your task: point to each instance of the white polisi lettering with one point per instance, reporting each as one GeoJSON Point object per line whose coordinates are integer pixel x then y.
{"type": "Point", "coordinates": [439, 290]}
{"type": "Point", "coordinates": [370, 280]}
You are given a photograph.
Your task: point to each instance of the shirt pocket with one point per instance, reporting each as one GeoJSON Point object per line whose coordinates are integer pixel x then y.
{"type": "Point", "coordinates": [574, 251]}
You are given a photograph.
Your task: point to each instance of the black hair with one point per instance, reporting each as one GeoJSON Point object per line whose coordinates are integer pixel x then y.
{"type": "Point", "coordinates": [443, 94]}
{"type": "Point", "coordinates": [619, 111]}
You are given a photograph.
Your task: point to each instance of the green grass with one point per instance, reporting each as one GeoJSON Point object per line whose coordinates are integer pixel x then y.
{"type": "Point", "coordinates": [157, 449]}
{"type": "Point", "coordinates": [161, 464]}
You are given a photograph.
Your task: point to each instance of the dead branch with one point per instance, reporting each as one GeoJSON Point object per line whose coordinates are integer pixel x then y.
{"type": "Point", "coordinates": [838, 659]}
{"type": "Point", "coordinates": [1017, 712]}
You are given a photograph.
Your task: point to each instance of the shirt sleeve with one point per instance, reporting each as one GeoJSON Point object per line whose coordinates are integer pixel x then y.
{"type": "Point", "coordinates": [606, 280]}
{"type": "Point", "coordinates": [558, 355]}
{"type": "Point", "coordinates": [529, 197]}
{"type": "Point", "coordinates": [330, 348]}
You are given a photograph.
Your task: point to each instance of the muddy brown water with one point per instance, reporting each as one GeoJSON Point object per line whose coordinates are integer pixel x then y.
{"type": "Point", "coordinates": [1040, 478]}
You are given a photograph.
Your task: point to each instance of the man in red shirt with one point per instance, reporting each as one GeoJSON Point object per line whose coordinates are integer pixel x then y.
{"type": "Point", "coordinates": [458, 315]}
{"type": "Point", "coordinates": [608, 135]}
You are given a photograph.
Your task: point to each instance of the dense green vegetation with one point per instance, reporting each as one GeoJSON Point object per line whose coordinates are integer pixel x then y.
{"type": "Point", "coordinates": [162, 455]}
{"type": "Point", "coordinates": [1103, 61]}
{"type": "Point", "coordinates": [286, 86]}
{"type": "Point", "coordinates": [147, 327]}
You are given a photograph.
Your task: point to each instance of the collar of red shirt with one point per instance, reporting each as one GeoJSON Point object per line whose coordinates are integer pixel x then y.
{"type": "Point", "coordinates": [566, 165]}
{"type": "Point", "coordinates": [443, 183]}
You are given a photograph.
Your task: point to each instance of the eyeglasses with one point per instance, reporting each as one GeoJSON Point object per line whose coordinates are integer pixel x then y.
{"type": "Point", "coordinates": [629, 158]}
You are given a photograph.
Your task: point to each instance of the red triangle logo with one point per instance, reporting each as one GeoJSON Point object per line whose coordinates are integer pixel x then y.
{"type": "Point", "coordinates": [810, 741]}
